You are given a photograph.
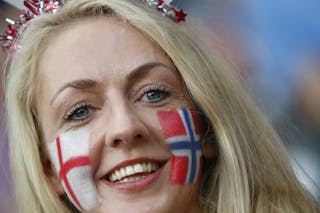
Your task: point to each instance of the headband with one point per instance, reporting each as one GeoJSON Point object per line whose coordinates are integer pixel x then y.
{"type": "Point", "coordinates": [34, 8]}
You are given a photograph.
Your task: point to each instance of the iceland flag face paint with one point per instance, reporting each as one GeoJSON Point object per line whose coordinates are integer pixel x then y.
{"type": "Point", "coordinates": [181, 132]}
{"type": "Point", "coordinates": [70, 156]}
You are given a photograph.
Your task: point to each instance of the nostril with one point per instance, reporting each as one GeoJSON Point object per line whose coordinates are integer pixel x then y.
{"type": "Point", "coordinates": [116, 142]}
{"type": "Point", "coordinates": [139, 136]}
{"type": "Point", "coordinates": [126, 130]}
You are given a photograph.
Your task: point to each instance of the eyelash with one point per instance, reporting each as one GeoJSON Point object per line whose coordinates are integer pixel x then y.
{"type": "Point", "coordinates": [155, 88]}
{"type": "Point", "coordinates": [68, 116]}
{"type": "Point", "coordinates": [165, 92]}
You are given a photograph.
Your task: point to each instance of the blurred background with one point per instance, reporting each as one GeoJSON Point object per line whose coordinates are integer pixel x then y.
{"type": "Point", "coordinates": [272, 45]}
{"type": "Point", "coordinates": [6, 195]}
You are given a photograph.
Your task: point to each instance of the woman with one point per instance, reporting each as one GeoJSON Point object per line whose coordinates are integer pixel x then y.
{"type": "Point", "coordinates": [100, 74]}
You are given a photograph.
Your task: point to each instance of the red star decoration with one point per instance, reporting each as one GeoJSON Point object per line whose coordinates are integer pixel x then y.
{"type": "Point", "coordinates": [160, 2]}
{"type": "Point", "coordinates": [31, 5]}
{"type": "Point", "coordinates": [51, 7]}
{"type": "Point", "coordinates": [11, 31]}
{"type": "Point", "coordinates": [181, 16]}
{"type": "Point", "coordinates": [26, 16]}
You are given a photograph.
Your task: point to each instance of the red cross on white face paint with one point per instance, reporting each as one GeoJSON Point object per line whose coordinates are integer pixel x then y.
{"type": "Point", "coordinates": [70, 156]}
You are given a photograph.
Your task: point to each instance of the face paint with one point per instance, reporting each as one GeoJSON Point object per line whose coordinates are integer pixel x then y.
{"type": "Point", "coordinates": [181, 131]}
{"type": "Point", "coordinates": [70, 156]}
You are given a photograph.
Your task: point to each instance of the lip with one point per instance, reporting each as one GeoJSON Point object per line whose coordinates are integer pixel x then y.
{"type": "Point", "coordinates": [137, 185]}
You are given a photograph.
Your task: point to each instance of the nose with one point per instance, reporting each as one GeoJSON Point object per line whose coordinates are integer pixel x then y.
{"type": "Point", "coordinates": [120, 126]}
{"type": "Point", "coordinates": [125, 126]}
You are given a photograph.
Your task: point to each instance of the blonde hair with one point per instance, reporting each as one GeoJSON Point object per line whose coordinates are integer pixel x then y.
{"type": "Point", "coordinates": [251, 173]}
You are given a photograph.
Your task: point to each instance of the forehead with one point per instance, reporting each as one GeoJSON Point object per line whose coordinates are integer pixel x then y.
{"type": "Point", "coordinates": [95, 46]}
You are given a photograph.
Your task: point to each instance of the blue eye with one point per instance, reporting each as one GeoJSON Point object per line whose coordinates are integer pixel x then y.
{"type": "Point", "coordinates": [79, 112]}
{"type": "Point", "coordinates": [154, 94]}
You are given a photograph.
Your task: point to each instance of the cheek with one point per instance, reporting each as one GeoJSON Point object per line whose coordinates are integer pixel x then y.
{"type": "Point", "coordinates": [70, 156]}
{"type": "Point", "coordinates": [181, 132]}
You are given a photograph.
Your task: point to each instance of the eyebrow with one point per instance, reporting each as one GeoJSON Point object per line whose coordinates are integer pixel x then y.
{"type": "Point", "coordinates": [143, 70]}
{"type": "Point", "coordinates": [78, 84]}
{"type": "Point", "coordinates": [134, 75]}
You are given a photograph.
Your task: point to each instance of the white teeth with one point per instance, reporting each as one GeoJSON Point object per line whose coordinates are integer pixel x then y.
{"type": "Point", "coordinates": [138, 168]}
{"type": "Point", "coordinates": [149, 167]}
{"type": "Point", "coordinates": [144, 166]}
{"type": "Point", "coordinates": [113, 176]}
{"type": "Point", "coordinates": [120, 174]}
{"type": "Point", "coordinates": [130, 179]}
{"type": "Point", "coordinates": [155, 167]}
{"type": "Point", "coordinates": [129, 170]}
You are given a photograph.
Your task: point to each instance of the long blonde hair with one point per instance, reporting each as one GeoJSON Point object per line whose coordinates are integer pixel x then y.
{"type": "Point", "coordinates": [252, 172]}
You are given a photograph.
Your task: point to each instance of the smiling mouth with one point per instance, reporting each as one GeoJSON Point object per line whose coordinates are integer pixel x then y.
{"type": "Point", "coordinates": [133, 172]}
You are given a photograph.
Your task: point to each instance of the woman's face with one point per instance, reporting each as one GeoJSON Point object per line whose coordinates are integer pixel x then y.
{"type": "Point", "coordinates": [108, 79]}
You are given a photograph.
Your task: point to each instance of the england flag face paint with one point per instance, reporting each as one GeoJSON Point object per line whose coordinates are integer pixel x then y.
{"type": "Point", "coordinates": [70, 156]}
{"type": "Point", "coordinates": [181, 132]}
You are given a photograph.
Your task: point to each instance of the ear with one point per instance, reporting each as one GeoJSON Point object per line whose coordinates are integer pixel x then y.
{"type": "Point", "coordinates": [52, 177]}
{"type": "Point", "coordinates": [56, 183]}
{"type": "Point", "coordinates": [208, 139]}
{"type": "Point", "coordinates": [209, 149]}
{"type": "Point", "coordinates": [209, 144]}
